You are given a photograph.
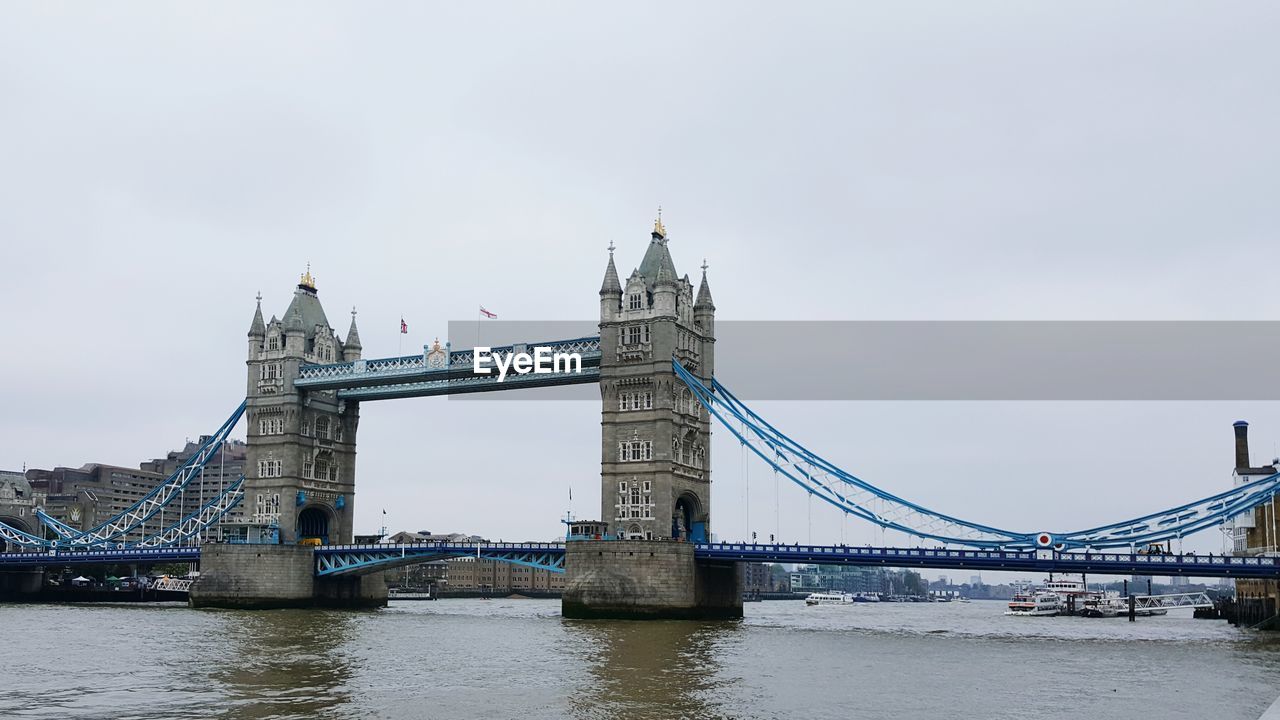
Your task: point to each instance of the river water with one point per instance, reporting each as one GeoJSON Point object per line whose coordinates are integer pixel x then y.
{"type": "Point", "coordinates": [519, 658]}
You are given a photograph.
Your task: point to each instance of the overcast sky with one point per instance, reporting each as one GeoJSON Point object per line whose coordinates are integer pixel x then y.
{"type": "Point", "coordinates": [161, 163]}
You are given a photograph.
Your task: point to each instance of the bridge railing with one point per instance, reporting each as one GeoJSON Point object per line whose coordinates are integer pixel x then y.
{"type": "Point", "coordinates": [882, 552]}
{"type": "Point", "coordinates": [407, 367]}
{"type": "Point", "coordinates": [107, 556]}
{"type": "Point", "coordinates": [394, 547]}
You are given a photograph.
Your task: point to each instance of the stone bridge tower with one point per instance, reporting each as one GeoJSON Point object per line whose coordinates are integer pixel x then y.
{"type": "Point", "coordinates": [300, 468]}
{"type": "Point", "coordinates": [655, 465]}
{"type": "Point", "coordinates": [656, 438]}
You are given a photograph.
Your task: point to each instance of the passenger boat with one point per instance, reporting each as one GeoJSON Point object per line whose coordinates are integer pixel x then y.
{"type": "Point", "coordinates": [1099, 606]}
{"type": "Point", "coordinates": [829, 598]}
{"type": "Point", "coordinates": [1064, 587]}
{"type": "Point", "coordinates": [866, 597]}
{"type": "Point", "coordinates": [1038, 603]}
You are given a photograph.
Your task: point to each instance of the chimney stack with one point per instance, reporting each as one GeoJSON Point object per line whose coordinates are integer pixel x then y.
{"type": "Point", "coordinates": [1242, 444]}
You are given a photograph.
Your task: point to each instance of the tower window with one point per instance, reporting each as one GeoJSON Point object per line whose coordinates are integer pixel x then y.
{"type": "Point", "coordinates": [635, 301]}
{"type": "Point", "coordinates": [322, 427]}
{"type": "Point", "coordinates": [635, 451]}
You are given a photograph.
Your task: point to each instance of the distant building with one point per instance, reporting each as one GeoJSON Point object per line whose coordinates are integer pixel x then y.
{"type": "Point", "coordinates": [757, 577]}
{"type": "Point", "coordinates": [844, 578]}
{"type": "Point", "coordinates": [499, 578]}
{"type": "Point", "coordinates": [225, 468]}
{"type": "Point", "coordinates": [88, 496]}
{"type": "Point", "coordinates": [17, 503]}
{"type": "Point", "coordinates": [1255, 533]}
{"type": "Point", "coordinates": [425, 576]}
{"type": "Point", "coordinates": [422, 536]}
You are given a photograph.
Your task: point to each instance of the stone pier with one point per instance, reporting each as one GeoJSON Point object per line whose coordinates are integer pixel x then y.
{"type": "Point", "coordinates": [647, 580]}
{"type": "Point", "coordinates": [19, 584]}
{"type": "Point", "coordinates": [277, 576]}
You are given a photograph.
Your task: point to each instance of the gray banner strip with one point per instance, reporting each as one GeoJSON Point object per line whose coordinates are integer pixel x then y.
{"type": "Point", "coordinates": [962, 360]}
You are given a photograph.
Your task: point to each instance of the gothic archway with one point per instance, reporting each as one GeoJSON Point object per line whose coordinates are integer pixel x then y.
{"type": "Point", "coordinates": [687, 520]}
{"type": "Point", "coordinates": [313, 524]}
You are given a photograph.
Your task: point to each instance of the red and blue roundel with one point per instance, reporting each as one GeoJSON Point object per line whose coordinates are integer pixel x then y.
{"type": "Point", "coordinates": [1044, 540]}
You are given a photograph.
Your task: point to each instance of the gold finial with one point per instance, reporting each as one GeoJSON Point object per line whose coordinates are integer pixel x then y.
{"type": "Point", "coordinates": [704, 266]}
{"type": "Point", "coordinates": [610, 247]}
{"type": "Point", "coordinates": [657, 224]}
{"type": "Point", "coordinates": [306, 281]}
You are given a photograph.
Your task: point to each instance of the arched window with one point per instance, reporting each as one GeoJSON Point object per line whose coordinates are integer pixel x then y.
{"type": "Point", "coordinates": [322, 427]}
{"type": "Point", "coordinates": [323, 462]}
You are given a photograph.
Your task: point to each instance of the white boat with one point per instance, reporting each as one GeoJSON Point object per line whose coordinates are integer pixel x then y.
{"type": "Point", "coordinates": [829, 598]}
{"type": "Point", "coordinates": [1103, 606]}
{"type": "Point", "coordinates": [1065, 587]}
{"type": "Point", "coordinates": [1041, 603]}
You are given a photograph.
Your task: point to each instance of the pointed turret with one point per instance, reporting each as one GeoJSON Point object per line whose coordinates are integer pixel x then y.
{"type": "Point", "coordinates": [353, 335]}
{"type": "Point", "coordinates": [704, 292]}
{"type": "Point", "coordinates": [611, 284]}
{"type": "Point", "coordinates": [351, 348]}
{"type": "Point", "coordinates": [258, 329]}
{"type": "Point", "coordinates": [610, 290]}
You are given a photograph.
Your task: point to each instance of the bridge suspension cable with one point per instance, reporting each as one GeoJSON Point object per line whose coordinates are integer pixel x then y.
{"type": "Point", "coordinates": [197, 521]}
{"type": "Point", "coordinates": [858, 498]}
{"type": "Point", "coordinates": [112, 532]}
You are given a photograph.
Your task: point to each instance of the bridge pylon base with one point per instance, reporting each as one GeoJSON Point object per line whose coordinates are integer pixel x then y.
{"type": "Point", "coordinates": [20, 584]}
{"type": "Point", "coordinates": [253, 577]}
{"type": "Point", "coordinates": [647, 580]}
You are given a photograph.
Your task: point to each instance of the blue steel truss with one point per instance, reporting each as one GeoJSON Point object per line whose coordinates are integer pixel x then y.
{"type": "Point", "coordinates": [199, 520]}
{"type": "Point", "coordinates": [822, 479]}
{"type": "Point", "coordinates": [332, 560]}
{"type": "Point", "coordinates": [416, 376]}
{"type": "Point", "coordinates": [56, 557]}
{"type": "Point", "coordinates": [365, 559]}
{"type": "Point", "coordinates": [1043, 560]}
{"type": "Point", "coordinates": [109, 533]}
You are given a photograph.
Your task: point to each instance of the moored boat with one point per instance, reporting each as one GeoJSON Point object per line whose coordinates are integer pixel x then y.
{"type": "Point", "coordinates": [1040, 603]}
{"type": "Point", "coordinates": [829, 598]}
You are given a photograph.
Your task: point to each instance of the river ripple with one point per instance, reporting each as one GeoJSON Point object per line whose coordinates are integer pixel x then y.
{"type": "Point", "coordinates": [519, 658]}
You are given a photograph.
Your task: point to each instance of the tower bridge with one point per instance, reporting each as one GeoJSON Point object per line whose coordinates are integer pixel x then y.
{"type": "Point", "coordinates": [290, 520]}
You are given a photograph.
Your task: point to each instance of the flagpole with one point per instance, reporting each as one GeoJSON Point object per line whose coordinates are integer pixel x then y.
{"type": "Point", "coordinates": [400, 349]}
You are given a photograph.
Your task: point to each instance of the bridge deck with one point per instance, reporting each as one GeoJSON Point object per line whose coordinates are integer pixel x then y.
{"type": "Point", "coordinates": [416, 376]}
{"type": "Point", "coordinates": [360, 559]}
{"type": "Point", "coordinates": [90, 557]}
{"type": "Point", "coordinates": [1017, 561]}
